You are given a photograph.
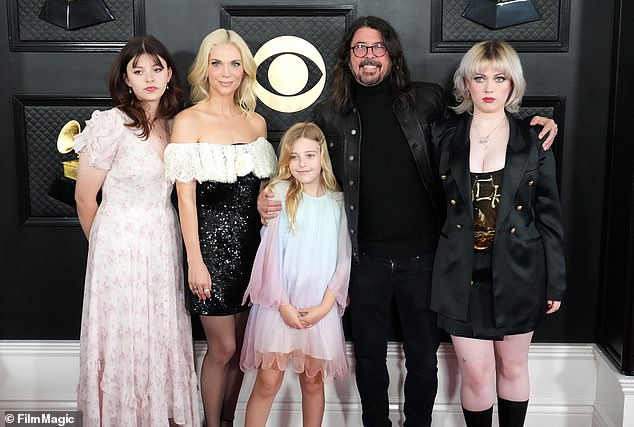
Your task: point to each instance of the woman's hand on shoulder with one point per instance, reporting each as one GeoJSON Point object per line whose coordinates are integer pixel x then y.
{"type": "Point", "coordinates": [552, 306]}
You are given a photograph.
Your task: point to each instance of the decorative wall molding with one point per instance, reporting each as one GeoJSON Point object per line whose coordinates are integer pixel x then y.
{"type": "Point", "coordinates": [37, 122]}
{"type": "Point", "coordinates": [320, 26]}
{"type": "Point", "coordinates": [572, 385]}
{"type": "Point", "coordinates": [614, 405]}
{"type": "Point", "coordinates": [451, 32]}
{"type": "Point", "coordinates": [29, 33]}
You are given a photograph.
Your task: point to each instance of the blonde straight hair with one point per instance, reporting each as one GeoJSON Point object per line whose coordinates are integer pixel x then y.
{"type": "Point", "coordinates": [294, 196]}
{"type": "Point", "coordinates": [198, 76]}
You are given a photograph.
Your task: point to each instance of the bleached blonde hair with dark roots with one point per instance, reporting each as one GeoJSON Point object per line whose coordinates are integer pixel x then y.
{"type": "Point", "coordinates": [502, 57]}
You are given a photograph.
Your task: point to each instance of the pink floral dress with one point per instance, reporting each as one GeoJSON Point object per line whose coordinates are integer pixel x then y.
{"type": "Point", "coordinates": [136, 357]}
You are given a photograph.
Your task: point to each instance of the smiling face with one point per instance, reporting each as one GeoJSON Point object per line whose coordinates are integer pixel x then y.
{"type": "Point", "coordinates": [147, 78]}
{"type": "Point", "coordinates": [371, 69]}
{"type": "Point", "coordinates": [489, 89]}
{"type": "Point", "coordinates": [225, 70]}
{"type": "Point", "coordinates": [305, 164]}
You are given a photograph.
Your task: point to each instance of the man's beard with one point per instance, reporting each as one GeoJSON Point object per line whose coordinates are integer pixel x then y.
{"type": "Point", "coordinates": [370, 80]}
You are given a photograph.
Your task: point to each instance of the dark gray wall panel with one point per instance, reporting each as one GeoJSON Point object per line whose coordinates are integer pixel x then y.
{"type": "Point", "coordinates": [42, 270]}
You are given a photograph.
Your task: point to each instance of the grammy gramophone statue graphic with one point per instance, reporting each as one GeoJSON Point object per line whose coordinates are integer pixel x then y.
{"type": "Point", "coordinates": [496, 14]}
{"type": "Point", "coordinates": [63, 188]}
{"type": "Point", "coordinates": [75, 14]}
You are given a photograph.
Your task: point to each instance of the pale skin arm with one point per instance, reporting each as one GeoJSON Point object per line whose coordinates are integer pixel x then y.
{"type": "Point", "coordinates": [267, 206]}
{"type": "Point", "coordinates": [550, 129]}
{"type": "Point", "coordinates": [89, 182]}
{"type": "Point", "coordinates": [198, 277]}
{"type": "Point", "coordinates": [311, 315]}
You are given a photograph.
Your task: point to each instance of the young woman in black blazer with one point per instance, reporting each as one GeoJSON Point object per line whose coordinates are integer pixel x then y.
{"type": "Point", "coordinates": [500, 260]}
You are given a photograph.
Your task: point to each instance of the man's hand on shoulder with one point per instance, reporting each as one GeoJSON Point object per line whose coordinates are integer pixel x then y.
{"type": "Point", "coordinates": [267, 206]}
{"type": "Point", "coordinates": [549, 128]}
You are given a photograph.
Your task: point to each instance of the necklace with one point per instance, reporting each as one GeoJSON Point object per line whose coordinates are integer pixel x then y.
{"type": "Point", "coordinates": [158, 129]}
{"type": "Point", "coordinates": [485, 140]}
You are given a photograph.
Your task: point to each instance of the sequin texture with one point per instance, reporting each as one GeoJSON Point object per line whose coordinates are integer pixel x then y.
{"type": "Point", "coordinates": [229, 233]}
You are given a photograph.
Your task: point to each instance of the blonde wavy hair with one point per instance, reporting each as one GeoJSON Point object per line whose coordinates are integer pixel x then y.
{"type": "Point", "coordinates": [503, 57]}
{"type": "Point", "coordinates": [294, 196]}
{"type": "Point", "coordinates": [198, 76]}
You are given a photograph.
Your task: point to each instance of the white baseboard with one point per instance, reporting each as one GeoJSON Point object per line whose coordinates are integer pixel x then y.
{"type": "Point", "coordinates": [571, 385]}
{"type": "Point", "coordinates": [614, 406]}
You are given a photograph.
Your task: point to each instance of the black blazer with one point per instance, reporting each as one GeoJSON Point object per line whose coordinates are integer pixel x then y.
{"type": "Point", "coordinates": [528, 255]}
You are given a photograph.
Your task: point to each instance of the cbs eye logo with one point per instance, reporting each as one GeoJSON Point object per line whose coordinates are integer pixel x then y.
{"type": "Point", "coordinates": [287, 65]}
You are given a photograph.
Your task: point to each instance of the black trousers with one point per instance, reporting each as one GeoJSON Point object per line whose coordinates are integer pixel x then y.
{"type": "Point", "coordinates": [373, 283]}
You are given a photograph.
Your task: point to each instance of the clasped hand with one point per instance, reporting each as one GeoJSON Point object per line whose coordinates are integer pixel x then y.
{"type": "Point", "coordinates": [301, 318]}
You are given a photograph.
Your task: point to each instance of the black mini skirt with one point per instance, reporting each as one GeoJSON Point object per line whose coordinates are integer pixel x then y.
{"type": "Point", "coordinates": [481, 315]}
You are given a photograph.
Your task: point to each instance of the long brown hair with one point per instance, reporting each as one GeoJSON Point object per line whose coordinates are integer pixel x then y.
{"type": "Point", "coordinates": [294, 196]}
{"type": "Point", "coordinates": [343, 78]}
{"type": "Point", "coordinates": [128, 103]}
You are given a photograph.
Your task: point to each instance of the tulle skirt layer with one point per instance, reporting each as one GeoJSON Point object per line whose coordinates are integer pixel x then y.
{"type": "Point", "coordinates": [271, 343]}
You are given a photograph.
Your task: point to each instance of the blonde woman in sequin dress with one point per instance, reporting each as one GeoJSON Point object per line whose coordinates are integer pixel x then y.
{"type": "Point", "coordinates": [218, 157]}
{"type": "Point", "coordinates": [136, 359]}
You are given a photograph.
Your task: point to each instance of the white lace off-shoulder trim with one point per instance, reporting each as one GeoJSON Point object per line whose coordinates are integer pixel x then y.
{"type": "Point", "coordinates": [217, 162]}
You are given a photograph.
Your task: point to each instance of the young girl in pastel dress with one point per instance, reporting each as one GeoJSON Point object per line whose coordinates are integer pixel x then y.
{"type": "Point", "coordinates": [299, 281]}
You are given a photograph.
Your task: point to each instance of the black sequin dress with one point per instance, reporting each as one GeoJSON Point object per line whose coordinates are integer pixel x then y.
{"type": "Point", "coordinates": [229, 225]}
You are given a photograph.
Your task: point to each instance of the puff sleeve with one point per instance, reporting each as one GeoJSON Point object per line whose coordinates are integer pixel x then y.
{"type": "Point", "coordinates": [99, 140]}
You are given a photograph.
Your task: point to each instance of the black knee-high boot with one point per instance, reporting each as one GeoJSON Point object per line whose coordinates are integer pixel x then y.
{"type": "Point", "coordinates": [510, 413]}
{"type": "Point", "coordinates": [478, 418]}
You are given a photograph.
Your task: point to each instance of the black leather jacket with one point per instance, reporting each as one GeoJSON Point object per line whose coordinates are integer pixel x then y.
{"type": "Point", "coordinates": [344, 136]}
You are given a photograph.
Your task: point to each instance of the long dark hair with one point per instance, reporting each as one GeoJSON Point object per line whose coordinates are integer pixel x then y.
{"type": "Point", "coordinates": [343, 77]}
{"type": "Point", "coordinates": [128, 103]}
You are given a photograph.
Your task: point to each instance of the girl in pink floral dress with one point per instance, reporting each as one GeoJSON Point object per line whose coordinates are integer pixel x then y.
{"type": "Point", "coordinates": [136, 356]}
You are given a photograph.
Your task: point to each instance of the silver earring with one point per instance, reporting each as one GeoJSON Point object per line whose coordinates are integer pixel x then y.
{"type": "Point", "coordinates": [167, 87]}
{"type": "Point", "coordinates": [130, 90]}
